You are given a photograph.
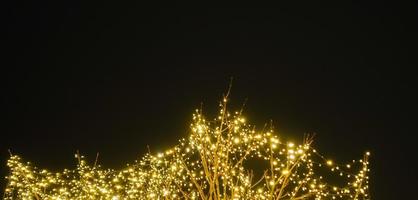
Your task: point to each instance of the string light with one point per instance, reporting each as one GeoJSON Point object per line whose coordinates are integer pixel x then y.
{"type": "Point", "coordinates": [213, 163]}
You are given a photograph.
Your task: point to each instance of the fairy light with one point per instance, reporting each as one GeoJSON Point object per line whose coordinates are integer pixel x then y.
{"type": "Point", "coordinates": [210, 164]}
{"type": "Point", "coordinates": [329, 162]}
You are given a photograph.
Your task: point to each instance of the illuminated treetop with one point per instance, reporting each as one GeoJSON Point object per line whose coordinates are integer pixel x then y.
{"type": "Point", "coordinates": [221, 159]}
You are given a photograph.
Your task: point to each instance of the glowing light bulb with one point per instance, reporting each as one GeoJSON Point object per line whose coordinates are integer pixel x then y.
{"type": "Point", "coordinates": [329, 162]}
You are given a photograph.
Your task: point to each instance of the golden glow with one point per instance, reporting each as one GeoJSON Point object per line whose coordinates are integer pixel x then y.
{"type": "Point", "coordinates": [329, 162]}
{"type": "Point", "coordinates": [210, 164]}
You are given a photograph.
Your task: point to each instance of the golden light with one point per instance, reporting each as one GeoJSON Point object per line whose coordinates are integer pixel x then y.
{"type": "Point", "coordinates": [329, 162]}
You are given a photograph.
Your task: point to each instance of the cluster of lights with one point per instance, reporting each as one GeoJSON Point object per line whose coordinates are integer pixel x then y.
{"type": "Point", "coordinates": [213, 163]}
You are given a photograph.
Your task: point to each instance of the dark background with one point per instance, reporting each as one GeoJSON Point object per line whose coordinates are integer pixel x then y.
{"type": "Point", "coordinates": [113, 78]}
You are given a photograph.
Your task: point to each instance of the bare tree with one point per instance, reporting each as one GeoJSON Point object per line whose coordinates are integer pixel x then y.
{"type": "Point", "coordinates": [215, 162]}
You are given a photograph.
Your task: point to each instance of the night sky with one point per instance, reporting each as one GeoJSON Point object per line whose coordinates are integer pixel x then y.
{"type": "Point", "coordinates": [113, 78]}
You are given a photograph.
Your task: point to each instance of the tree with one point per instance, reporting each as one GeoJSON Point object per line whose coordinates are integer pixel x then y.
{"type": "Point", "coordinates": [213, 163]}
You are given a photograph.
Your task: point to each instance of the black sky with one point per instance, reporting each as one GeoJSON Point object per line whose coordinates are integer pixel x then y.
{"type": "Point", "coordinates": [115, 77]}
